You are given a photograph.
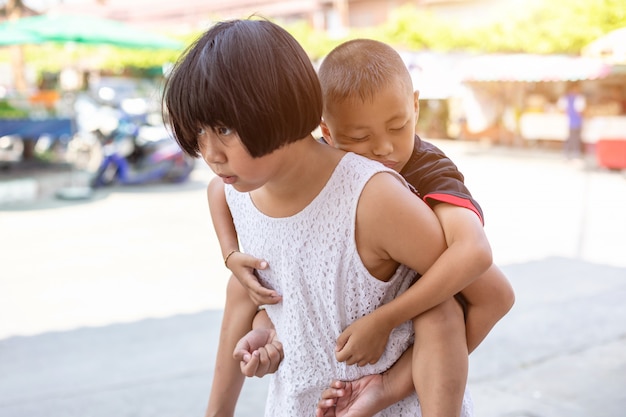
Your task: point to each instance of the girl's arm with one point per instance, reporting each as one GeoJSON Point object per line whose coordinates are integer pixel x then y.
{"type": "Point", "coordinates": [222, 219]}
{"type": "Point", "coordinates": [241, 265]}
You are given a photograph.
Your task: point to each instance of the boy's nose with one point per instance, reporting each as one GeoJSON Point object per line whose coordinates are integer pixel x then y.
{"type": "Point", "coordinates": [382, 147]}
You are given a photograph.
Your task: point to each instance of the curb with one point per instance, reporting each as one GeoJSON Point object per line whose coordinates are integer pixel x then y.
{"type": "Point", "coordinates": [38, 185]}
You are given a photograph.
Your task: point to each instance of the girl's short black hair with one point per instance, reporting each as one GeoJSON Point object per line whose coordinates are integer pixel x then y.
{"type": "Point", "coordinates": [248, 75]}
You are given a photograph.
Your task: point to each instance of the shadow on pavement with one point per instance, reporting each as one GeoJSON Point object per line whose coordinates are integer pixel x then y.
{"type": "Point", "coordinates": [560, 351]}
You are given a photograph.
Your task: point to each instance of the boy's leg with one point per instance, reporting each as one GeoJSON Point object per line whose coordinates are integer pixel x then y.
{"type": "Point", "coordinates": [239, 312]}
{"type": "Point", "coordinates": [488, 298]}
{"type": "Point", "coordinates": [440, 360]}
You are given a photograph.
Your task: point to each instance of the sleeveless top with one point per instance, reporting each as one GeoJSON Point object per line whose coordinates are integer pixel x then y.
{"type": "Point", "coordinates": [314, 264]}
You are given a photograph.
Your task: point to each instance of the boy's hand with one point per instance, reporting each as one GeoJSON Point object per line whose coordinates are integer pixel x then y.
{"type": "Point", "coordinates": [360, 398]}
{"type": "Point", "coordinates": [243, 266]}
{"type": "Point", "coordinates": [362, 342]}
{"type": "Point", "coordinates": [260, 352]}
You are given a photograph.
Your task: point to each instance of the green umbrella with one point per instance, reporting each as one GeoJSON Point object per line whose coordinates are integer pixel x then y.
{"type": "Point", "coordinates": [12, 36]}
{"type": "Point", "coordinates": [88, 30]}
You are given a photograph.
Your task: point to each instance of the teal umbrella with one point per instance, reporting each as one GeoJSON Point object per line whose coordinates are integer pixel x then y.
{"type": "Point", "coordinates": [12, 36]}
{"type": "Point", "coordinates": [87, 30]}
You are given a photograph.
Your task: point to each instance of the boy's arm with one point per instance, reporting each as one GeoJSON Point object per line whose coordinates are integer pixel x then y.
{"type": "Point", "coordinates": [467, 243]}
{"type": "Point", "coordinates": [241, 265]}
{"type": "Point", "coordinates": [406, 230]}
{"type": "Point", "coordinates": [442, 187]}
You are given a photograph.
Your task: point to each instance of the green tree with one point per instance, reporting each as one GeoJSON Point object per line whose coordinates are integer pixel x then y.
{"type": "Point", "coordinates": [555, 26]}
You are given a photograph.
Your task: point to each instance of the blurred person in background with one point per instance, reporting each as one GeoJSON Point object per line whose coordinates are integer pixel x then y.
{"type": "Point", "coordinates": [573, 103]}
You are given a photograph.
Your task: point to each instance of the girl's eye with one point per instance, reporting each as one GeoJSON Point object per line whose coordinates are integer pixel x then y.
{"type": "Point", "coordinates": [223, 131]}
{"type": "Point", "coordinates": [201, 131]}
{"type": "Point", "coordinates": [396, 129]}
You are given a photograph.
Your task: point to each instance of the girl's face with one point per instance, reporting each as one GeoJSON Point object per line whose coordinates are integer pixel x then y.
{"type": "Point", "coordinates": [228, 158]}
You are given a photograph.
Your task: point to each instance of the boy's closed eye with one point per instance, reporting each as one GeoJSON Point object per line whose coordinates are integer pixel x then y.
{"type": "Point", "coordinates": [399, 129]}
{"type": "Point", "coordinates": [358, 139]}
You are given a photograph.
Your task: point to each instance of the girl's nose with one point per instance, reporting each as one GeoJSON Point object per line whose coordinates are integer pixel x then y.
{"type": "Point", "coordinates": [211, 153]}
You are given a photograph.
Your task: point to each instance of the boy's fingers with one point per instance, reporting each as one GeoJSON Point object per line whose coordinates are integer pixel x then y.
{"type": "Point", "coordinates": [269, 359]}
{"type": "Point", "coordinates": [344, 357]}
{"type": "Point", "coordinates": [240, 352]}
{"type": "Point", "coordinates": [274, 356]}
{"type": "Point", "coordinates": [249, 369]}
{"type": "Point", "coordinates": [263, 363]}
{"type": "Point", "coordinates": [341, 341]}
{"type": "Point", "coordinates": [341, 354]}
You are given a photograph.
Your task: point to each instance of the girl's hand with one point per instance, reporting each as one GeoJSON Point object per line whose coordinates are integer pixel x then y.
{"type": "Point", "coordinates": [243, 267]}
{"type": "Point", "coordinates": [363, 397]}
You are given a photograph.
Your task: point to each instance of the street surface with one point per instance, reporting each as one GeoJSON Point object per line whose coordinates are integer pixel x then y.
{"type": "Point", "coordinates": [111, 307]}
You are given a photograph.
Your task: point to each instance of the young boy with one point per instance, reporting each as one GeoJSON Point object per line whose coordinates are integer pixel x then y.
{"type": "Point", "coordinates": [370, 109]}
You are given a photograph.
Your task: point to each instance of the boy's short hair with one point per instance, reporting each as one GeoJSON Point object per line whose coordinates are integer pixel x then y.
{"type": "Point", "coordinates": [360, 68]}
{"type": "Point", "coordinates": [248, 75]}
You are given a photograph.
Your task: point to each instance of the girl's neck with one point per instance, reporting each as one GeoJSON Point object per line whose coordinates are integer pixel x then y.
{"type": "Point", "coordinates": [306, 166]}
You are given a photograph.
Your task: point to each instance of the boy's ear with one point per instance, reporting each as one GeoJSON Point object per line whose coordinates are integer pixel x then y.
{"type": "Point", "coordinates": [416, 103]}
{"type": "Point", "coordinates": [326, 133]}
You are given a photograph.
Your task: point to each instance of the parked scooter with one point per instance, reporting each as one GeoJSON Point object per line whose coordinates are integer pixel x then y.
{"type": "Point", "coordinates": [137, 152]}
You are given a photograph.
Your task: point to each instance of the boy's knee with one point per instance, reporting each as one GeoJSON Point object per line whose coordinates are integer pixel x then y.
{"type": "Point", "coordinates": [445, 317]}
{"type": "Point", "coordinates": [504, 300]}
{"type": "Point", "coordinates": [508, 299]}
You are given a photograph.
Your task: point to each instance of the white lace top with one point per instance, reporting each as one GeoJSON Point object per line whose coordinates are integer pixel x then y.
{"type": "Point", "coordinates": [315, 265]}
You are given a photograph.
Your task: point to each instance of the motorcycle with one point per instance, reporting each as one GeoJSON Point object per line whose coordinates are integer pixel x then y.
{"type": "Point", "coordinates": [136, 152]}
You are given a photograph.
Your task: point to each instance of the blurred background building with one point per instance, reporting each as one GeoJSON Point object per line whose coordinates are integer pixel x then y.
{"type": "Point", "coordinates": [329, 15]}
{"type": "Point", "coordinates": [487, 70]}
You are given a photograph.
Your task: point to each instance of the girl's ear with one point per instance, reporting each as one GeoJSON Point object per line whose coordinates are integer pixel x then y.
{"type": "Point", "coordinates": [326, 133]}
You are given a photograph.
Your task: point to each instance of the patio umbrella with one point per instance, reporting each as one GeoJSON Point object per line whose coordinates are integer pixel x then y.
{"type": "Point", "coordinates": [87, 30]}
{"type": "Point", "coordinates": [12, 36]}
{"type": "Point", "coordinates": [611, 46]}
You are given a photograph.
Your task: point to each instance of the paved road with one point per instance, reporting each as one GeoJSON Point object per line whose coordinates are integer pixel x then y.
{"type": "Point", "coordinates": [111, 307]}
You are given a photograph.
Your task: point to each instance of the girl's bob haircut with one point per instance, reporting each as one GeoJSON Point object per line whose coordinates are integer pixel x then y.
{"type": "Point", "coordinates": [247, 75]}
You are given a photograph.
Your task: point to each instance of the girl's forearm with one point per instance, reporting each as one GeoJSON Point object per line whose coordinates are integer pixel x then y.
{"type": "Point", "coordinates": [222, 218]}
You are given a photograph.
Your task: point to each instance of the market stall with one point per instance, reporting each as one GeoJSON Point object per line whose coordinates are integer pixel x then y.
{"type": "Point", "coordinates": [529, 86]}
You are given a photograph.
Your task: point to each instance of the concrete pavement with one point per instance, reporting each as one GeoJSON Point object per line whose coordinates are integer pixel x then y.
{"type": "Point", "coordinates": [99, 322]}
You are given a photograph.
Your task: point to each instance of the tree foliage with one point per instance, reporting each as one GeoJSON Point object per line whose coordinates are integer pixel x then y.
{"type": "Point", "coordinates": [555, 26]}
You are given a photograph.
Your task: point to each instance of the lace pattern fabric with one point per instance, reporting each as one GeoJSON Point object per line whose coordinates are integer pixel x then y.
{"type": "Point", "coordinates": [315, 265]}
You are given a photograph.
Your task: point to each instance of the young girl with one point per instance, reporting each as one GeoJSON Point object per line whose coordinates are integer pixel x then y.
{"type": "Point", "coordinates": [245, 97]}
{"type": "Point", "coordinates": [370, 109]}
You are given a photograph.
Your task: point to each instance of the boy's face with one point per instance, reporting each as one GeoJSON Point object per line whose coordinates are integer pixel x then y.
{"type": "Point", "coordinates": [382, 129]}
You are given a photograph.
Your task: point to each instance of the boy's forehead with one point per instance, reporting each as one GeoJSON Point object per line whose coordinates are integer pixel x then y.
{"type": "Point", "coordinates": [365, 116]}
{"type": "Point", "coordinates": [387, 100]}
{"type": "Point", "coordinates": [364, 92]}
